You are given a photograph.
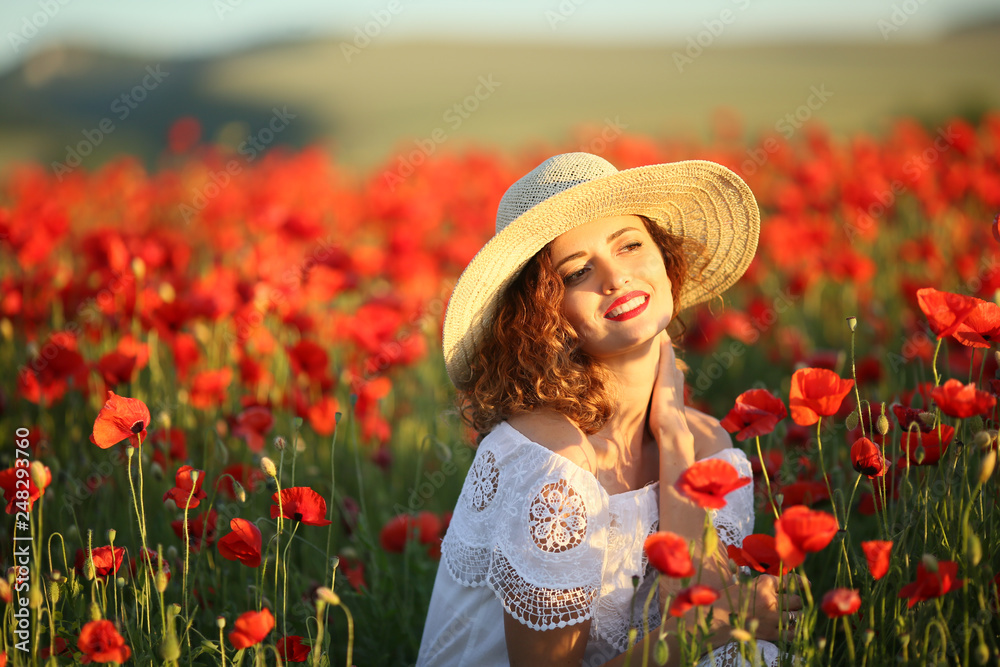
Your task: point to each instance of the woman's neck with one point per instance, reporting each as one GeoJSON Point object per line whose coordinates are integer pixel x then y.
{"type": "Point", "coordinates": [633, 375]}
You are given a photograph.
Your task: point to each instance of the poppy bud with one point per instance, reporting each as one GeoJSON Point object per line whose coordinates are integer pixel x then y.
{"type": "Point", "coordinates": [171, 552]}
{"type": "Point", "coordinates": [220, 622]}
{"type": "Point", "coordinates": [975, 424]}
{"type": "Point", "coordinates": [661, 653]}
{"type": "Point", "coordinates": [328, 596]}
{"type": "Point", "coordinates": [280, 444]}
{"type": "Point", "coordinates": [35, 597]}
{"type": "Point", "coordinates": [930, 563]}
{"type": "Point", "coordinates": [919, 455]}
{"type": "Point", "coordinates": [635, 581]}
{"type": "Point", "coordinates": [974, 549]}
{"type": "Point", "coordinates": [852, 420]}
{"type": "Point", "coordinates": [821, 644]}
{"type": "Point", "coordinates": [867, 636]}
{"type": "Point", "coordinates": [170, 505]}
{"type": "Point", "coordinates": [239, 492]}
{"type": "Point", "coordinates": [112, 534]}
{"type": "Point", "coordinates": [95, 612]}
{"type": "Point", "coordinates": [160, 581]}
{"type": "Point", "coordinates": [38, 476]}
{"type": "Point", "coordinates": [982, 439]}
{"type": "Point", "coordinates": [89, 571]}
{"type": "Point", "coordinates": [120, 582]}
{"type": "Point", "coordinates": [267, 465]}
{"type": "Point", "coordinates": [982, 654]}
{"type": "Point", "coordinates": [740, 635]}
{"type": "Point", "coordinates": [928, 418]}
{"type": "Point", "coordinates": [882, 425]}
{"type": "Point", "coordinates": [54, 592]}
{"type": "Point", "coordinates": [779, 499]}
{"type": "Point", "coordinates": [986, 466]}
{"type": "Point", "coordinates": [55, 575]}
{"type": "Point", "coordinates": [852, 322]}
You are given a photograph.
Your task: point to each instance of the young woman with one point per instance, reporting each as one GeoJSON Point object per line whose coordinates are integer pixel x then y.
{"type": "Point", "coordinates": [556, 339]}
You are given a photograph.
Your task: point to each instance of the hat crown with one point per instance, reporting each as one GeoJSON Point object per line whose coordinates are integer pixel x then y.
{"type": "Point", "coordinates": [555, 175]}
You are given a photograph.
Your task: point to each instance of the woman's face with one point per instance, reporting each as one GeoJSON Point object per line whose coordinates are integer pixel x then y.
{"type": "Point", "coordinates": [617, 290]}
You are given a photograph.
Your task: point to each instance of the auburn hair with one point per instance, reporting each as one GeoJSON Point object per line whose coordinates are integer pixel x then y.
{"type": "Point", "coordinates": [530, 355]}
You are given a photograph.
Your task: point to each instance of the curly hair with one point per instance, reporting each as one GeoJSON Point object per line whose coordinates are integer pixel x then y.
{"type": "Point", "coordinates": [530, 355]}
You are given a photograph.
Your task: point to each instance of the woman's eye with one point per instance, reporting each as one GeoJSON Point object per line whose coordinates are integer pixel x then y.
{"type": "Point", "coordinates": [635, 245]}
{"type": "Point", "coordinates": [572, 277]}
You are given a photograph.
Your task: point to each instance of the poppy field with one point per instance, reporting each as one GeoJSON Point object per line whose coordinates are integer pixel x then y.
{"type": "Point", "coordinates": [229, 438]}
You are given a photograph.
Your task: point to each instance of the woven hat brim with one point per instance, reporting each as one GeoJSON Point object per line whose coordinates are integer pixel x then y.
{"type": "Point", "coordinates": [696, 199]}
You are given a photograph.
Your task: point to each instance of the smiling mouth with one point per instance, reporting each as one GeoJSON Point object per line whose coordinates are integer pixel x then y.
{"type": "Point", "coordinates": [628, 306]}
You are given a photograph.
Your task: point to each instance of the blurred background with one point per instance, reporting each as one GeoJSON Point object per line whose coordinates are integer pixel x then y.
{"type": "Point", "coordinates": [372, 81]}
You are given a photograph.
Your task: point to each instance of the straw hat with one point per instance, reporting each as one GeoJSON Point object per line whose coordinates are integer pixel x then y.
{"type": "Point", "coordinates": [697, 199]}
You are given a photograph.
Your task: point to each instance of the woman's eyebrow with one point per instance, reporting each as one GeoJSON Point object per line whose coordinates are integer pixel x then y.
{"type": "Point", "coordinates": [611, 237]}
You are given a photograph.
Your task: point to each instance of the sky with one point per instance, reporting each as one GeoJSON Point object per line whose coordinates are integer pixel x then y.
{"type": "Point", "coordinates": [183, 28]}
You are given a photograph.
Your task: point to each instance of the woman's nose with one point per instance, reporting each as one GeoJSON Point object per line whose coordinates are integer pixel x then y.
{"type": "Point", "coordinates": [615, 278]}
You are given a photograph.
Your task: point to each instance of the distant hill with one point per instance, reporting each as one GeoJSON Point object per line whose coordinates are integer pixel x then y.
{"type": "Point", "coordinates": [368, 103]}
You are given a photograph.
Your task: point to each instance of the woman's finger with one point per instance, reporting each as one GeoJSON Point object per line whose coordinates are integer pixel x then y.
{"type": "Point", "coordinates": [791, 602]}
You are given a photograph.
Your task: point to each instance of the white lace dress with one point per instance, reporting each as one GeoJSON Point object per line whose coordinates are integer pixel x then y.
{"type": "Point", "coordinates": [536, 536]}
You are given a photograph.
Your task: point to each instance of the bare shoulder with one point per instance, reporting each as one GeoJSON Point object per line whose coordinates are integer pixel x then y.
{"type": "Point", "coordinates": [558, 434]}
{"type": "Point", "coordinates": [709, 435]}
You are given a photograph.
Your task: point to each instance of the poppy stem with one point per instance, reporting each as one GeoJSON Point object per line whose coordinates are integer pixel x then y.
{"type": "Point", "coordinates": [767, 480]}
{"type": "Point", "coordinates": [857, 394]}
{"type": "Point", "coordinates": [937, 378]}
{"type": "Point", "coordinates": [187, 550]}
{"type": "Point", "coordinates": [850, 503]}
{"type": "Point", "coordinates": [284, 590]}
{"type": "Point", "coordinates": [850, 639]}
{"type": "Point", "coordinates": [822, 465]}
{"type": "Point", "coordinates": [139, 516]}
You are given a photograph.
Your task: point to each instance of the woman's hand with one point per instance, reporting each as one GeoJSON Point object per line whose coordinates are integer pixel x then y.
{"type": "Point", "coordinates": [667, 420]}
{"type": "Point", "coordinates": [763, 605]}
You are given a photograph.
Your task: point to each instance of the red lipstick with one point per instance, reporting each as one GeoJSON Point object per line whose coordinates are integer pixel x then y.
{"type": "Point", "coordinates": [623, 300]}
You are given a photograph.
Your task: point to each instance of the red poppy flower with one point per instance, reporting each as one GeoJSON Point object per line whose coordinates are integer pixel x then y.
{"type": "Point", "coordinates": [99, 641]}
{"type": "Point", "coordinates": [250, 477]}
{"type": "Point", "coordinates": [61, 648]}
{"type": "Point", "coordinates": [867, 459]}
{"type": "Point", "coordinates": [251, 628]}
{"type": "Point", "coordinates": [353, 570]}
{"type": "Point", "coordinates": [300, 503]}
{"type": "Point", "coordinates": [707, 482]}
{"type": "Point", "coordinates": [253, 425]}
{"type": "Point", "coordinates": [120, 418]}
{"type": "Point", "coordinates": [841, 602]}
{"type": "Point", "coordinates": [3, 658]}
{"type": "Point", "coordinates": [758, 553]}
{"type": "Point", "coordinates": [800, 530]}
{"type": "Point", "coordinates": [877, 553]}
{"type": "Point", "coordinates": [105, 562]}
{"type": "Point", "coordinates": [932, 584]}
{"type": "Point", "coordinates": [933, 445]}
{"type": "Point", "coordinates": [195, 528]}
{"type": "Point", "coordinates": [907, 416]}
{"type": "Point", "coordinates": [945, 311]}
{"type": "Point", "coordinates": [982, 327]}
{"type": "Point", "coordinates": [698, 595]}
{"type": "Point", "coordinates": [12, 481]}
{"type": "Point", "coordinates": [209, 388]}
{"type": "Point", "coordinates": [806, 492]}
{"type": "Point", "coordinates": [962, 400]}
{"type": "Point", "coordinates": [150, 559]}
{"type": "Point", "coordinates": [426, 527]}
{"type": "Point", "coordinates": [183, 488]}
{"type": "Point", "coordinates": [116, 368]}
{"type": "Point", "coordinates": [815, 393]}
{"type": "Point", "coordinates": [668, 553]}
{"type": "Point", "coordinates": [242, 544]}
{"type": "Point", "coordinates": [291, 649]}
{"type": "Point", "coordinates": [756, 412]}
{"type": "Point", "coordinates": [169, 447]}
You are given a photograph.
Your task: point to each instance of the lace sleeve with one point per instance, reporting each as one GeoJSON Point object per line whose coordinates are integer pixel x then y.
{"type": "Point", "coordinates": [533, 527]}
